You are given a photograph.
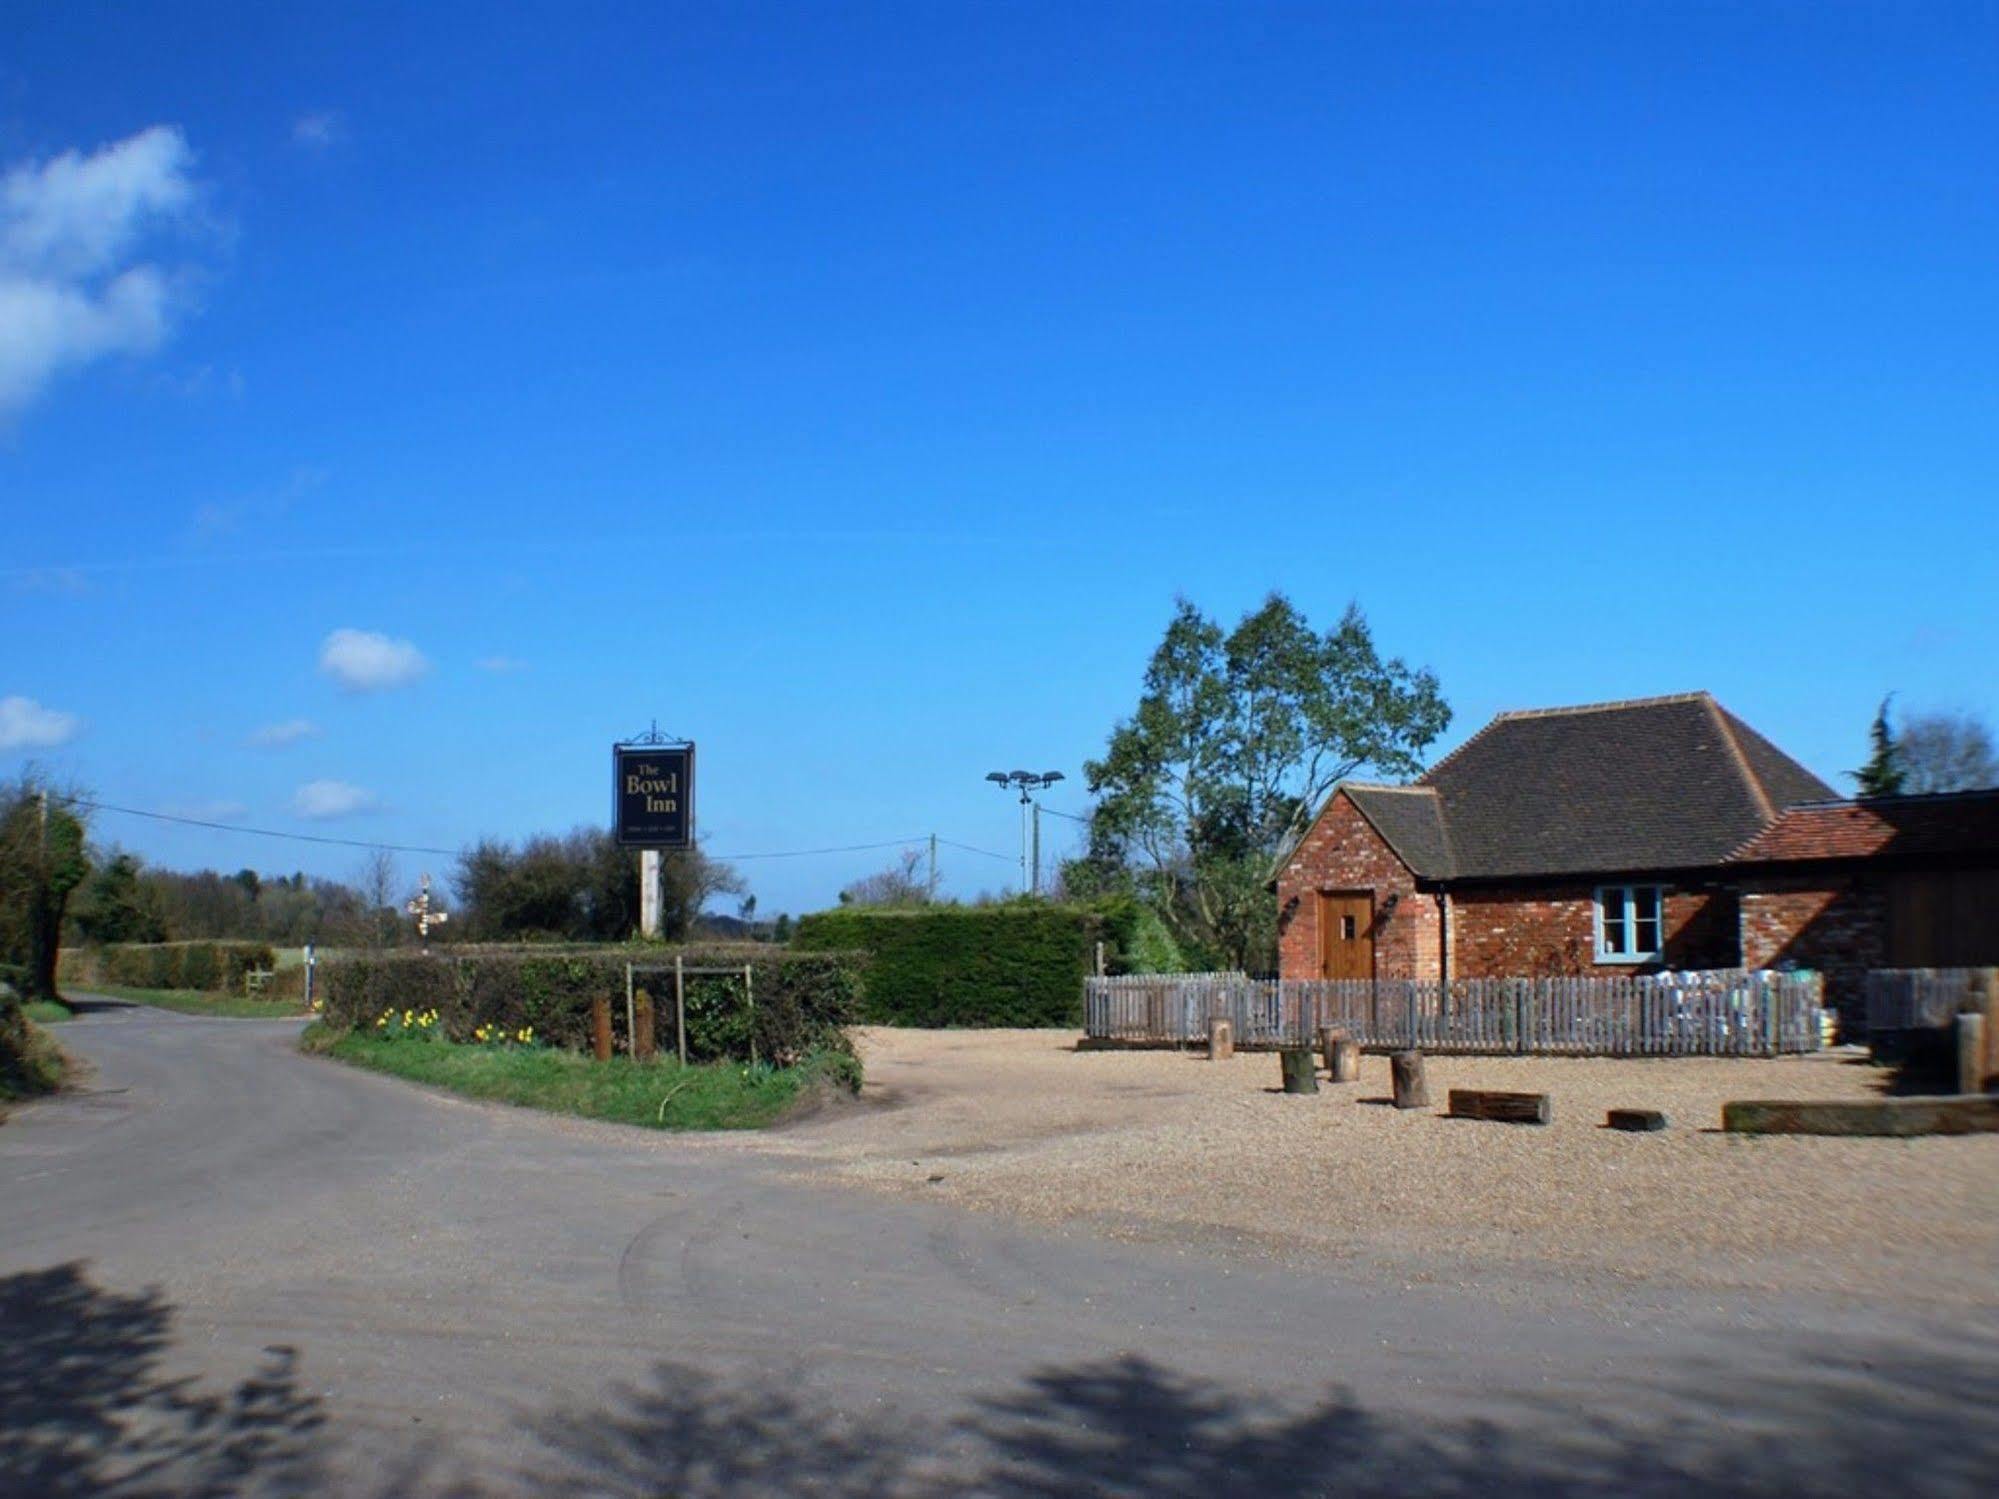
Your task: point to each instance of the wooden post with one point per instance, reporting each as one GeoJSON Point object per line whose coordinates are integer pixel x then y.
{"type": "Point", "coordinates": [600, 1027]}
{"type": "Point", "coordinates": [1330, 1037]}
{"type": "Point", "coordinates": [1970, 1052]}
{"type": "Point", "coordinates": [1100, 960]}
{"type": "Point", "coordinates": [645, 1040]}
{"type": "Point", "coordinates": [680, 1007]}
{"type": "Point", "coordinates": [631, 1017]}
{"type": "Point", "coordinates": [1300, 1074]}
{"type": "Point", "coordinates": [1221, 1040]}
{"type": "Point", "coordinates": [750, 1003]}
{"type": "Point", "coordinates": [1502, 1108]}
{"type": "Point", "coordinates": [649, 893]}
{"type": "Point", "coordinates": [1345, 1063]}
{"type": "Point", "coordinates": [1412, 1091]}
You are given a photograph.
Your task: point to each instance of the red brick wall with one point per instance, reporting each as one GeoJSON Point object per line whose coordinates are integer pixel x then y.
{"type": "Point", "coordinates": [1836, 924]}
{"type": "Point", "coordinates": [1530, 932]}
{"type": "Point", "coordinates": [1343, 852]}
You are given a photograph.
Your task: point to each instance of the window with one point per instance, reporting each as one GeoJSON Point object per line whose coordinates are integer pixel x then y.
{"type": "Point", "coordinates": [1628, 923]}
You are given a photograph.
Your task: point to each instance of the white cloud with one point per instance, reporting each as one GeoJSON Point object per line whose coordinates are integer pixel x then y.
{"type": "Point", "coordinates": [323, 800]}
{"type": "Point", "coordinates": [320, 128]}
{"type": "Point", "coordinates": [26, 724]}
{"type": "Point", "coordinates": [363, 661]}
{"type": "Point", "coordinates": [71, 287]}
{"type": "Point", "coordinates": [283, 735]}
{"type": "Point", "coordinates": [500, 665]}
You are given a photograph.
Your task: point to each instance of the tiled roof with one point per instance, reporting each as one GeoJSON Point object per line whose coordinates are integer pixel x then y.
{"type": "Point", "coordinates": [1887, 827]}
{"type": "Point", "coordinates": [1653, 783]}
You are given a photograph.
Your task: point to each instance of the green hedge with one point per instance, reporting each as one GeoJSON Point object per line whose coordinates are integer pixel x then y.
{"type": "Point", "coordinates": [215, 967]}
{"type": "Point", "coordinates": [1015, 965]}
{"type": "Point", "coordinates": [803, 1003]}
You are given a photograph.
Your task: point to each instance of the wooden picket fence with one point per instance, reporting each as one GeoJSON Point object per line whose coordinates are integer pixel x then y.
{"type": "Point", "coordinates": [1727, 1012]}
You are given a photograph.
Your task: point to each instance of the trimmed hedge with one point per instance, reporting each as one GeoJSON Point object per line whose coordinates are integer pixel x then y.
{"type": "Point", "coordinates": [1015, 965]}
{"type": "Point", "coordinates": [215, 967]}
{"type": "Point", "coordinates": [803, 1003]}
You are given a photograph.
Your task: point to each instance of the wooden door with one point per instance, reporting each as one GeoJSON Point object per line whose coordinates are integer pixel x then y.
{"type": "Point", "coordinates": [1346, 935]}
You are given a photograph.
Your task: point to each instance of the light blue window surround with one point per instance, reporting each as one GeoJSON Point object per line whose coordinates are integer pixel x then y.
{"type": "Point", "coordinates": [1630, 923]}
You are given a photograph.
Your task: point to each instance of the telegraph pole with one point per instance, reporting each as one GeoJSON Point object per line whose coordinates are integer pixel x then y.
{"type": "Point", "coordinates": [930, 889]}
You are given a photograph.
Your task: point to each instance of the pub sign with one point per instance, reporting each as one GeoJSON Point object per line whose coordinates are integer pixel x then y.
{"type": "Point", "coordinates": [652, 800]}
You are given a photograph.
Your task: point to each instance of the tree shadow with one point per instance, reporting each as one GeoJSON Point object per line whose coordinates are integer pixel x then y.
{"type": "Point", "coordinates": [1130, 1427]}
{"type": "Point", "coordinates": [86, 1409]}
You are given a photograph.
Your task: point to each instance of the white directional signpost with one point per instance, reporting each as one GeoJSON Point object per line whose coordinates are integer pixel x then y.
{"type": "Point", "coordinates": [427, 915]}
{"type": "Point", "coordinates": [652, 808]}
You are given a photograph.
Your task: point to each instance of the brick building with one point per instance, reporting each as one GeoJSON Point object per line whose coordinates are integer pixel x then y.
{"type": "Point", "coordinates": [1629, 837]}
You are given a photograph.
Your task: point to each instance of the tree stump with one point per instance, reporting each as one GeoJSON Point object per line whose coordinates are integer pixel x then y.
{"type": "Point", "coordinates": [645, 1039]}
{"type": "Point", "coordinates": [1344, 1062]}
{"type": "Point", "coordinates": [1412, 1091]}
{"type": "Point", "coordinates": [1329, 1038]}
{"type": "Point", "coordinates": [600, 1027]}
{"type": "Point", "coordinates": [1301, 1074]}
{"type": "Point", "coordinates": [1971, 1052]}
{"type": "Point", "coordinates": [1221, 1040]}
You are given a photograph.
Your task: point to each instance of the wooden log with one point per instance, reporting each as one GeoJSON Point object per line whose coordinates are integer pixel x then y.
{"type": "Point", "coordinates": [1330, 1037]}
{"type": "Point", "coordinates": [1301, 1074]}
{"type": "Point", "coordinates": [1971, 1052]}
{"type": "Point", "coordinates": [1941, 1115]}
{"type": "Point", "coordinates": [600, 1027]}
{"type": "Point", "coordinates": [1636, 1119]}
{"type": "Point", "coordinates": [1221, 1040]}
{"type": "Point", "coordinates": [1345, 1062]}
{"type": "Point", "coordinates": [1501, 1108]}
{"type": "Point", "coordinates": [1412, 1090]}
{"type": "Point", "coordinates": [645, 1039]}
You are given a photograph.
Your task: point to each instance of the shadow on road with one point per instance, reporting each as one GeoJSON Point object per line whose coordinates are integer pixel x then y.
{"type": "Point", "coordinates": [85, 1408]}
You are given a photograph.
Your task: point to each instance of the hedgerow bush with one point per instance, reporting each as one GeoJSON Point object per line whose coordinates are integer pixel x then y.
{"type": "Point", "coordinates": [803, 1002]}
{"type": "Point", "coordinates": [1014, 965]}
{"type": "Point", "coordinates": [213, 966]}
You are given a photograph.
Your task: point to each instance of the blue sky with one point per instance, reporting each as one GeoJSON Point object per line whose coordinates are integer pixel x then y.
{"type": "Point", "coordinates": [853, 389]}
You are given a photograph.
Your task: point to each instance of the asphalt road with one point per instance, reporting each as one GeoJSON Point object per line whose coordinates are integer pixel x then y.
{"type": "Point", "coordinates": [227, 1268]}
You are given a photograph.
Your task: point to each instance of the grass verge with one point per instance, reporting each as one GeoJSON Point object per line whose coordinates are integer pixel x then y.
{"type": "Point", "coordinates": [204, 1002]}
{"type": "Point", "coordinates": [47, 1011]}
{"type": "Point", "coordinates": [658, 1095]}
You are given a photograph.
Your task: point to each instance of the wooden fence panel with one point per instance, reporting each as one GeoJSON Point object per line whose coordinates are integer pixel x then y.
{"type": "Point", "coordinates": [1718, 1013]}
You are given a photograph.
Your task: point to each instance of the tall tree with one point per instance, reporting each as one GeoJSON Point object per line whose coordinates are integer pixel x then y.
{"type": "Point", "coordinates": [1883, 774]}
{"type": "Point", "coordinates": [1237, 738]}
{"type": "Point", "coordinates": [1947, 752]}
{"type": "Point", "coordinates": [42, 861]}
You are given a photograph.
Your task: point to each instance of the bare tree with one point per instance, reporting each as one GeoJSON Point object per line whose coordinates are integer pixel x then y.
{"type": "Point", "coordinates": [1947, 752]}
{"type": "Point", "coordinates": [901, 884]}
{"type": "Point", "coordinates": [380, 883]}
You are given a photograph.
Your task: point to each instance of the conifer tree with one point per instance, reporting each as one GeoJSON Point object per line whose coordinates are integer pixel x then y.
{"type": "Point", "coordinates": [1883, 774]}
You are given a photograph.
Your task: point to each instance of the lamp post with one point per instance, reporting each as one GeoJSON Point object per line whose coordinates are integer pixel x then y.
{"type": "Point", "coordinates": [1027, 781]}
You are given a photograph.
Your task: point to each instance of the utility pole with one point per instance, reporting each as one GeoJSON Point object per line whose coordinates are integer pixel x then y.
{"type": "Point", "coordinates": [1035, 888]}
{"type": "Point", "coordinates": [930, 889]}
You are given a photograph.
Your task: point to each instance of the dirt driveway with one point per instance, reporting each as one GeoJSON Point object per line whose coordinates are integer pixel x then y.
{"type": "Point", "coordinates": [1168, 1146]}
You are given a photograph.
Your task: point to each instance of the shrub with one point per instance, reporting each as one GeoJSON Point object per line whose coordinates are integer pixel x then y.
{"type": "Point", "coordinates": [1136, 940]}
{"type": "Point", "coordinates": [1012, 965]}
{"type": "Point", "coordinates": [802, 1002]}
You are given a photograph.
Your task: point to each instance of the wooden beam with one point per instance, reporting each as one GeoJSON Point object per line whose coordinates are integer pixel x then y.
{"type": "Point", "coordinates": [1942, 1115]}
{"type": "Point", "coordinates": [1501, 1108]}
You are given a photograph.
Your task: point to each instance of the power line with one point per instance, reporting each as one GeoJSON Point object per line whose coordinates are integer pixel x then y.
{"type": "Point", "coordinates": [1058, 812]}
{"type": "Point", "coordinates": [950, 843]}
{"type": "Point", "coordinates": [413, 848]}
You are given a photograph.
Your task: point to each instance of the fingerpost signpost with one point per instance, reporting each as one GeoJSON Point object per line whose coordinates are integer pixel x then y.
{"type": "Point", "coordinates": [652, 808]}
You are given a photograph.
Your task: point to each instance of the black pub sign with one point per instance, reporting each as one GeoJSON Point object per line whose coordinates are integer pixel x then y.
{"type": "Point", "coordinates": [653, 800]}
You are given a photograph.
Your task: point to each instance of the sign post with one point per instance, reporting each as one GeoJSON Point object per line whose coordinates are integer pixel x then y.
{"type": "Point", "coordinates": [652, 809]}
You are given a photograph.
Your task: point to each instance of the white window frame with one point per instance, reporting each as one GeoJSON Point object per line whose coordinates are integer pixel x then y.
{"type": "Point", "coordinates": [1630, 902]}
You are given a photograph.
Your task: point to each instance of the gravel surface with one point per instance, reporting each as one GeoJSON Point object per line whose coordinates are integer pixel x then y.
{"type": "Point", "coordinates": [1169, 1146]}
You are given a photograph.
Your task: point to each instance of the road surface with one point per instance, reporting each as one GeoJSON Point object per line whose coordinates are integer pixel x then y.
{"type": "Point", "coordinates": [229, 1268]}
